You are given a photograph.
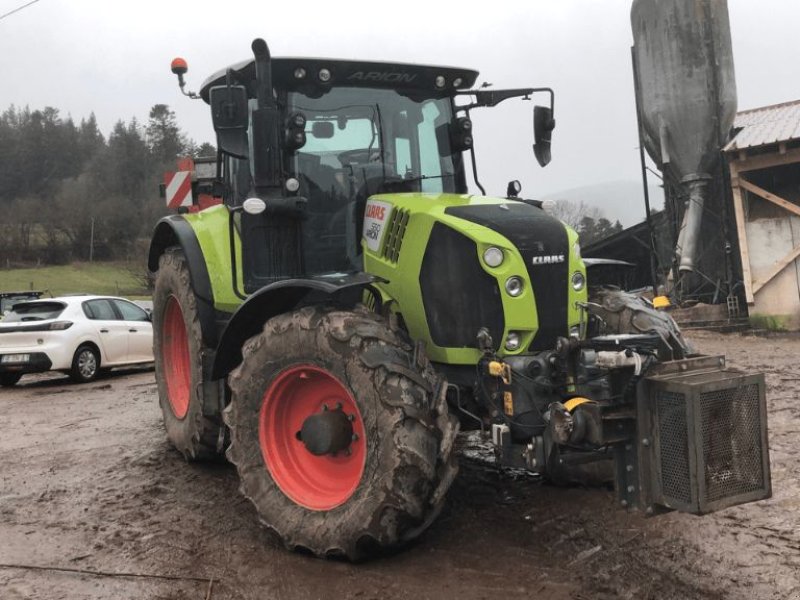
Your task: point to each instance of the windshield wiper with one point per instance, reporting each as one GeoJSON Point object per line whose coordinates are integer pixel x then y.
{"type": "Point", "coordinates": [423, 177]}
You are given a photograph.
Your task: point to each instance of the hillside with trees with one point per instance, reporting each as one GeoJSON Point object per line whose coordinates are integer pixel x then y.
{"type": "Point", "coordinates": [587, 221]}
{"type": "Point", "coordinates": [59, 179]}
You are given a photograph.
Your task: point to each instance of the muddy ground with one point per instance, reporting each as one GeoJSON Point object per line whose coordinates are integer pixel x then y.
{"type": "Point", "coordinates": [95, 504]}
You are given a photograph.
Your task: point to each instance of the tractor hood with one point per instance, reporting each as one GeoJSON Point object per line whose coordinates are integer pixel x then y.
{"type": "Point", "coordinates": [459, 263]}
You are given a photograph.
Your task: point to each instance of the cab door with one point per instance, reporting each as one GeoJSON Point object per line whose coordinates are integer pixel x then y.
{"type": "Point", "coordinates": [110, 331]}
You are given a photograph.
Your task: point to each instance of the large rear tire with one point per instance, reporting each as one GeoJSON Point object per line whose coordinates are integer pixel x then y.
{"type": "Point", "coordinates": [190, 409]}
{"type": "Point", "coordinates": [387, 483]}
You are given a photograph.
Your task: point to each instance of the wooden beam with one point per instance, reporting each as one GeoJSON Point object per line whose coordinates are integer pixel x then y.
{"type": "Point", "coordinates": [779, 266]}
{"type": "Point", "coordinates": [774, 198]}
{"type": "Point", "coordinates": [738, 209]}
{"type": "Point", "coordinates": [765, 161]}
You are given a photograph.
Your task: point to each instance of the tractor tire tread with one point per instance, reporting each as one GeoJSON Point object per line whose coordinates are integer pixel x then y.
{"type": "Point", "coordinates": [198, 436]}
{"type": "Point", "coordinates": [411, 492]}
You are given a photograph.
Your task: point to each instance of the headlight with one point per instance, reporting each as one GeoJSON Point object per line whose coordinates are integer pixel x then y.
{"type": "Point", "coordinates": [493, 257]}
{"type": "Point", "coordinates": [514, 286]}
{"type": "Point", "coordinates": [254, 206]}
{"type": "Point", "coordinates": [576, 248]}
{"type": "Point", "coordinates": [513, 341]}
{"type": "Point", "coordinates": [292, 185]}
{"type": "Point", "coordinates": [578, 281]}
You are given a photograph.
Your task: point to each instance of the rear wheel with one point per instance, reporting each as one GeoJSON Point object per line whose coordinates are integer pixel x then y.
{"type": "Point", "coordinates": [85, 365]}
{"type": "Point", "coordinates": [189, 407]}
{"type": "Point", "coordinates": [9, 379]}
{"type": "Point", "coordinates": [341, 437]}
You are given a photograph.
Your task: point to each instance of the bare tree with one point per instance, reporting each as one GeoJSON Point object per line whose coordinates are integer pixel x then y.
{"type": "Point", "coordinates": [572, 212]}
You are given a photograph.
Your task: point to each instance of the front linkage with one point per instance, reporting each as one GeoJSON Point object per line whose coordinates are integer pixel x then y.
{"type": "Point", "coordinates": [683, 431]}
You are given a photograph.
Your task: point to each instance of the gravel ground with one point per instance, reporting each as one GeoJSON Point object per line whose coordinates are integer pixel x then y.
{"type": "Point", "coordinates": [95, 504]}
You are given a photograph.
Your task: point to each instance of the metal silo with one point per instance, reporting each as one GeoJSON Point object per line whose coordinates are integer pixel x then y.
{"type": "Point", "coordinates": [687, 93]}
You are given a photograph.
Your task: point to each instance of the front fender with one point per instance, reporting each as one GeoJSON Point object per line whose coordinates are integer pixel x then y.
{"type": "Point", "coordinates": [277, 298]}
{"type": "Point", "coordinates": [174, 230]}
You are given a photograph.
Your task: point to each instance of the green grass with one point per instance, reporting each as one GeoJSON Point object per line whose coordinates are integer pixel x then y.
{"type": "Point", "coordinates": [93, 278]}
{"type": "Point", "coordinates": [770, 322]}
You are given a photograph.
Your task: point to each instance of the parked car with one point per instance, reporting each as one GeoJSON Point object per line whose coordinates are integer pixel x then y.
{"type": "Point", "coordinates": [9, 299]}
{"type": "Point", "coordinates": [78, 335]}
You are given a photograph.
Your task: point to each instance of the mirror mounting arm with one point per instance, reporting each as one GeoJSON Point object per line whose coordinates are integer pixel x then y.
{"type": "Point", "coordinates": [474, 163]}
{"type": "Point", "coordinates": [490, 98]}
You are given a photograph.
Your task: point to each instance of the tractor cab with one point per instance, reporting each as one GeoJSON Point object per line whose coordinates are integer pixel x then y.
{"type": "Point", "coordinates": [331, 134]}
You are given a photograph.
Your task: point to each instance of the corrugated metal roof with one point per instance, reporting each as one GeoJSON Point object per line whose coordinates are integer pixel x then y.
{"type": "Point", "coordinates": [767, 125]}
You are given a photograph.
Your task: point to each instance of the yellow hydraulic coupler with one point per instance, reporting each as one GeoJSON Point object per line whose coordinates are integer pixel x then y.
{"type": "Point", "coordinates": [661, 302]}
{"type": "Point", "coordinates": [503, 371]}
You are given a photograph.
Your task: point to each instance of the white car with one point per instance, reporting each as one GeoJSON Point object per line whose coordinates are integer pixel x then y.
{"type": "Point", "coordinates": [78, 335]}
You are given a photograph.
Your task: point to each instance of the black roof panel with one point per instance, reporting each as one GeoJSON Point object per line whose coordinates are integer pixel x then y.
{"type": "Point", "coordinates": [405, 76]}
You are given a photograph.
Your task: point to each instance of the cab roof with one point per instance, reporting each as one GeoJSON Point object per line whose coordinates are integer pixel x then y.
{"type": "Point", "coordinates": [405, 76]}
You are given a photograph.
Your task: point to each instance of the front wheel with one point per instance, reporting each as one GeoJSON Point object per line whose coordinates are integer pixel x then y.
{"type": "Point", "coordinates": [340, 432]}
{"type": "Point", "coordinates": [189, 404]}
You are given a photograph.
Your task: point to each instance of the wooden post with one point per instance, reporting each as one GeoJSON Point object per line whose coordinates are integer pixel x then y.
{"type": "Point", "coordinates": [738, 209]}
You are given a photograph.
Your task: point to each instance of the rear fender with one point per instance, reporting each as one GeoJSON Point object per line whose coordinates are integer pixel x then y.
{"type": "Point", "coordinates": [277, 298]}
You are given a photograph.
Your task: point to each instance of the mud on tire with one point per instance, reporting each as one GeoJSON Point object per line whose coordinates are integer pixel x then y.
{"type": "Point", "coordinates": [409, 461]}
{"type": "Point", "coordinates": [189, 408]}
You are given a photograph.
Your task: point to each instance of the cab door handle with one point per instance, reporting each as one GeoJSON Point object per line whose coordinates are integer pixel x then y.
{"type": "Point", "coordinates": [132, 330]}
{"type": "Point", "coordinates": [104, 331]}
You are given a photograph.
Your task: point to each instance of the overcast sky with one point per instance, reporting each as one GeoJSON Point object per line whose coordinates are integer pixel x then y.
{"type": "Point", "coordinates": [113, 58]}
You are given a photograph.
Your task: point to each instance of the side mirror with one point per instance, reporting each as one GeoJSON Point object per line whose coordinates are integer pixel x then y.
{"type": "Point", "coordinates": [230, 118]}
{"type": "Point", "coordinates": [543, 125]}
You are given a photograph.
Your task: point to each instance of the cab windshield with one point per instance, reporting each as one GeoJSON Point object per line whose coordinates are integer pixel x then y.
{"type": "Point", "coordinates": [361, 142]}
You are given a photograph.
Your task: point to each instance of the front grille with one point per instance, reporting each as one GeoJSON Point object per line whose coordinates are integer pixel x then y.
{"type": "Point", "coordinates": [709, 438]}
{"type": "Point", "coordinates": [534, 233]}
{"type": "Point", "coordinates": [459, 297]}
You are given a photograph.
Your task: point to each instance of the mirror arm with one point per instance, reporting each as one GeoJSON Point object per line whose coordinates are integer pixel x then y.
{"type": "Point", "coordinates": [490, 98]}
{"type": "Point", "coordinates": [474, 164]}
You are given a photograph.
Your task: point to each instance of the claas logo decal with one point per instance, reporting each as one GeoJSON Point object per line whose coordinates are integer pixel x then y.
{"type": "Point", "coordinates": [375, 211]}
{"type": "Point", "coordinates": [375, 215]}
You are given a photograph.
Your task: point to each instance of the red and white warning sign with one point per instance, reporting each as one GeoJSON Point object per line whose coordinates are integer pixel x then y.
{"type": "Point", "coordinates": [178, 188]}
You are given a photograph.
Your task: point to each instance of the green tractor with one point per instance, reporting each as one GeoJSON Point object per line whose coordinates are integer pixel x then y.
{"type": "Point", "coordinates": [347, 305]}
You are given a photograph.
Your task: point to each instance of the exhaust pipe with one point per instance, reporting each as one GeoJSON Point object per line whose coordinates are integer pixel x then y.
{"type": "Point", "coordinates": [697, 187]}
